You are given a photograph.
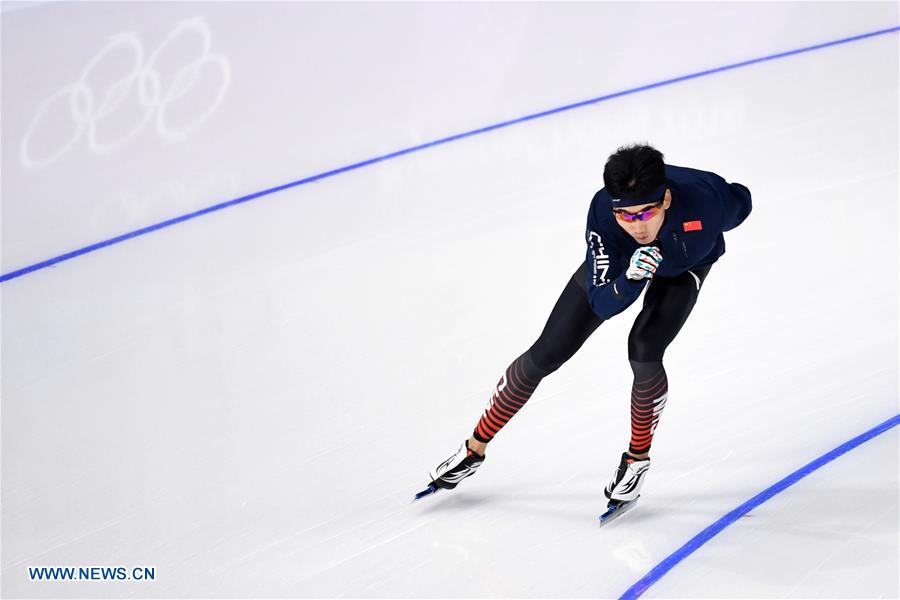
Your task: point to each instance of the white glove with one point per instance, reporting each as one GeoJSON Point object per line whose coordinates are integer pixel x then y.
{"type": "Point", "coordinates": [644, 263]}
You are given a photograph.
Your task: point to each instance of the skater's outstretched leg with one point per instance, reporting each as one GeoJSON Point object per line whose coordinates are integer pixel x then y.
{"type": "Point", "coordinates": [511, 393]}
{"type": "Point", "coordinates": [570, 323]}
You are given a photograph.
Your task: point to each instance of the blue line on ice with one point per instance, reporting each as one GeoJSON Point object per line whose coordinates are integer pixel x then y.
{"type": "Point", "coordinates": [704, 536]}
{"type": "Point", "coordinates": [445, 140]}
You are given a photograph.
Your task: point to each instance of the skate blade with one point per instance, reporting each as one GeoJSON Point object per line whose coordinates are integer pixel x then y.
{"type": "Point", "coordinates": [616, 510]}
{"type": "Point", "coordinates": [431, 489]}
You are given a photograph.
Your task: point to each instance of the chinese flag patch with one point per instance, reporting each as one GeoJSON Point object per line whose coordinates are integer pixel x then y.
{"type": "Point", "coordinates": [693, 225]}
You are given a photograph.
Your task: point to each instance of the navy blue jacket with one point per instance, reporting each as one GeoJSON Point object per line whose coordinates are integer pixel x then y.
{"type": "Point", "coordinates": [703, 206]}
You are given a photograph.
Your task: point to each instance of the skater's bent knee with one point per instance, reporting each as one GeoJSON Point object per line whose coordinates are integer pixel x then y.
{"type": "Point", "coordinates": [645, 348]}
{"type": "Point", "coordinates": [539, 364]}
{"type": "Point", "coordinates": [644, 369]}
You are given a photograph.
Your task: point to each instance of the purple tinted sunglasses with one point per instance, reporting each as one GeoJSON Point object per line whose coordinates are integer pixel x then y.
{"type": "Point", "coordinates": [647, 213]}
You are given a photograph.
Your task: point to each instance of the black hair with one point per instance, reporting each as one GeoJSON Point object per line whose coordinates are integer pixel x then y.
{"type": "Point", "coordinates": [634, 171]}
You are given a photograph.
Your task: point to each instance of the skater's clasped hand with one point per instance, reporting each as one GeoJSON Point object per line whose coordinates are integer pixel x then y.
{"type": "Point", "coordinates": [644, 263]}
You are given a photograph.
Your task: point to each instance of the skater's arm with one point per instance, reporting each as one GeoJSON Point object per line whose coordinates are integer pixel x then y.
{"type": "Point", "coordinates": [609, 290]}
{"type": "Point", "coordinates": [735, 199]}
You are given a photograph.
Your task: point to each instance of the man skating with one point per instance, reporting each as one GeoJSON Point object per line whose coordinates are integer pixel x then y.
{"type": "Point", "coordinates": [652, 226]}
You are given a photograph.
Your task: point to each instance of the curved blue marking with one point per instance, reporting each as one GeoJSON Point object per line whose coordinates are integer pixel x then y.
{"type": "Point", "coordinates": [704, 536]}
{"type": "Point", "coordinates": [446, 140]}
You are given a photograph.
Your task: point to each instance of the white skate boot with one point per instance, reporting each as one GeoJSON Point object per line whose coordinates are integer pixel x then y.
{"type": "Point", "coordinates": [625, 487]}
{"type": "Point", "coordinates": [447, 475]}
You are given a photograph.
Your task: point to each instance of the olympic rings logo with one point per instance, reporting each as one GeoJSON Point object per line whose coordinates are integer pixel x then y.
{"type": "Point", "coordinates": [87, 110]}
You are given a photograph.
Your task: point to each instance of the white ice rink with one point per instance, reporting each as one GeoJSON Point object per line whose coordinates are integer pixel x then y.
{"type": "Point", "coordinates": [247, 400]}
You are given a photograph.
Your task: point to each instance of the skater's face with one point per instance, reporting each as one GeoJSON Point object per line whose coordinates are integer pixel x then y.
{"type": "Point", "coordinates": [644, 231]}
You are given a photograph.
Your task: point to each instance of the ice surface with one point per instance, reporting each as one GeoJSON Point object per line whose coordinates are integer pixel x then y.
{"type": "Point", "coordinates": [248, 401]}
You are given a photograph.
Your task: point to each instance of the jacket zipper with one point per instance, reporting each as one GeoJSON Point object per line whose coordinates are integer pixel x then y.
{"type": "Point", "coordinates": [683, 246]}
